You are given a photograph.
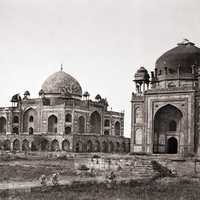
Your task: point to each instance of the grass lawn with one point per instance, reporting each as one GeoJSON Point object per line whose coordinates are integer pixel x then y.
{"type": "Point", "coordinates": [178, 189]}
{"type": "Point", "coordinates": [32, 170]}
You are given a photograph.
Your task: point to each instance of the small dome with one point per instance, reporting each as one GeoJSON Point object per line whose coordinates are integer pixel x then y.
{"type": "Point", "coordinates": [142, 74]}
{"type": "Point", "coordinates": [61, 83]}
{"type": "Point", "coordinates": [185, 55]}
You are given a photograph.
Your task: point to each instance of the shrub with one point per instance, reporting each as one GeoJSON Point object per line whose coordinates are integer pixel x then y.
{"type": "Point", "coordinates": [83, 167]}
{"type": "Point", "coordinates": [62, 157]}
{"type": "Point", "coordinates": [96, 156]}
{"type": "Point", "coordinates": [139, 154]}
{"type": "Point", "coordinates": [163, 171]}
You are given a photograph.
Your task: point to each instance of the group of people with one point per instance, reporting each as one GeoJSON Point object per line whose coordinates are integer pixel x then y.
{"type": "Point", "coordinates": [54, 179]}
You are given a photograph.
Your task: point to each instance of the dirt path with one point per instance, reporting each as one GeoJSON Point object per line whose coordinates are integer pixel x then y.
{"type": "Point", "coordinates": [29, 184]}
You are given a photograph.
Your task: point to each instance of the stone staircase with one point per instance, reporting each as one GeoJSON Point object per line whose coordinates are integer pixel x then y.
{"type": "Point", "coordinates": [138, 169]}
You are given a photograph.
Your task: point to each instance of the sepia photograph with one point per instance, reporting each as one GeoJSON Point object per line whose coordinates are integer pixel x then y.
{"type": "Point", "coordinates": [100, 100]}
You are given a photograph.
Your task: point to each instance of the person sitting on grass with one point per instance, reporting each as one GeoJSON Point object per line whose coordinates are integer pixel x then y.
{"type": "Point", "coordinates": [111, 177]}
{"type": "Point", "coordinates": [43, 180]}
{"type": "Point", "coordinates": [55, 180]}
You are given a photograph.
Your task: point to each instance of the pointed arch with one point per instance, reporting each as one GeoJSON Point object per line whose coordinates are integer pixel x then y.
{"type": "Point", "coordinates": [7, 145]}
{"type": "Point", "coordinates": [167, 119]}
{"type": "Point", "coordinates": [25, 145]}
{"type": "Point", "coordinates": [124, 147]}
{"type": "Point", "coordinates": [106, 132]}
{"type": "Point", "coordinates": [97, 146]}
{"type": "Point", "coordinates": [16, 145]}
{"type": "Point", "coordinates": [68, 130]}
{"type": "Point", "coordinates": [138, 136]}
{"type": "Point", "coordinates": [66, 145]}
{"type": "Point", "coordinates": [15, 130]}
{"type": "Point", "coordinates": [79, 146]}
{"type": "Point", "coordinates": [44, 144]}
{"type": "Point", "coordinates": [106, 122]}
{"type": "Point", "coordinates": [29, 119]}
{"type": "Point", "coordinates": [55, 145]}
{"type": "Point", "coordinates": [111, 147]}
{"type": "Point", "coordinates": [117, 128]}
{"type": "Point", "coordinates": [68, 118]}
{"type": "Point", "coordinates": [104, 147]}
{"type": "Point", "coordinates": [15, 119]}
{"type": "Point", "coordinates": [89, 147]}
{"type": "Point", "coordinates": [30, 131]}
{"type": "Point", "coordinates": [95, 123]}
{"type": "Point", "coordinates": [52, 124]}
{"type": "Point", "coordinates": [33, 146]}
{"type": "Point", "coordinates": [172, 145]}
{"type": "Point", "coordinates": [117, 147]}
{"type": "Point", "coordinates": [81, 124]}
{"type": "Point", "coordinates": [2, 125]}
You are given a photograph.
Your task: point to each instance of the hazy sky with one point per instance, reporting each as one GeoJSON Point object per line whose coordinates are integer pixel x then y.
{"type": "Point", "coordinates": [100, 42]}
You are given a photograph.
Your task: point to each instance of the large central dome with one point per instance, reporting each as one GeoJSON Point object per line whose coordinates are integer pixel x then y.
{"type": "Point", "coordinates": [61, 83]}
{"type": "Point", "coordinates": [185, 55]}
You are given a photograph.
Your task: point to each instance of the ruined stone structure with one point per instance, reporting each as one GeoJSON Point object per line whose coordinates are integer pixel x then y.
{"type": "Point", "coordinates": [61, 119]}
{"type": "Point", "coordinates": [166, 107]}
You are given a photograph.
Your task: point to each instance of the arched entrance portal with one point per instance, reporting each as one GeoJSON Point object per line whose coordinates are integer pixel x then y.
{"type": "Point", "coordinates": [167, 124]}
{"type": "Point", "coordinates": [172, 145]}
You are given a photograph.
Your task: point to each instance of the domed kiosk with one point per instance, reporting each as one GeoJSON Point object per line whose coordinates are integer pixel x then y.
{"type": "Point", "coordinates": [165, 116]}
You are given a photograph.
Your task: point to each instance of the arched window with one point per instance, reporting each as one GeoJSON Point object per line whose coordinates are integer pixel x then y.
{"type": "Point", "coordinates": [117, 129]}
{"type": "Point", "coordinates": [55, 145]}
{"type": "Point", "coordinates": [97, 147]}
{"type": "Point", "coordinates": [138, 115]}
{"type": "Point", "coordinates": [107, 123]}
{"type": "Point", "coordinates": [6, 145]}
{"type": "Point", "coordinates": [25, 145]}
{"type": "Point", "coordinates": [172, 145]}
{"type": "Point", "coordinates": [31, 118]}
{"type": "Point", "coordinates": [44, 144]}
{"type": "Point", "coordinates": [68, 118]}
{"type": "Point", "coordinates": [33, 147]}
{"type": "Point", "coordinates": [15, 119]}
{"type": "Point", "coordinates": [138, 136]}
{"type": "Point", "coordinates": [106, 132]}
{"type": "Point", "coordinates": [16, 130]}
{"type": "Point", "coordinates": [52, 124]}
{"type": "Point", "coordinates": [81, 124]}
{"type": "Point", "coordinates": [123, 147]}
{"type": "Point", "coordinates": [117, 147]}
{"type": "Point", "coordinates": [172, 125]}
{"type": "Point", "coordinates": [89, 146]}
{"type": "Point", "coordinates": [95, 123]}
{"type": "Point", "coordinates": [105, 147]}
{"type": "Point", "coordinates": [66, 145]}
{"type": "Point", "coordinates": [16, 145]}
{"type": "Point", "coordinates": [79, 147]}
{"type": "Point", "coordinates": [30, 131]}
{"type": "Point", "coordinates": [111, 147]}
{"type": "Point", "coordinates": [68, 130]}
{"type": "Point", "coordinates": [2, 125]}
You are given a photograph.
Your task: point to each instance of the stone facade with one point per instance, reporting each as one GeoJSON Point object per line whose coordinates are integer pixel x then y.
{"type": "Point", "coordinates": [165, 116]}
{"type": "Point", "coordinates": [61, 119]}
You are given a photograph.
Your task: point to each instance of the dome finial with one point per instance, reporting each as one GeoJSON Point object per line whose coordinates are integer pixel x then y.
{"type": "Point", "coordinates": [185, 41]}
{"type": "Point", "coordinates": [61, 67]}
